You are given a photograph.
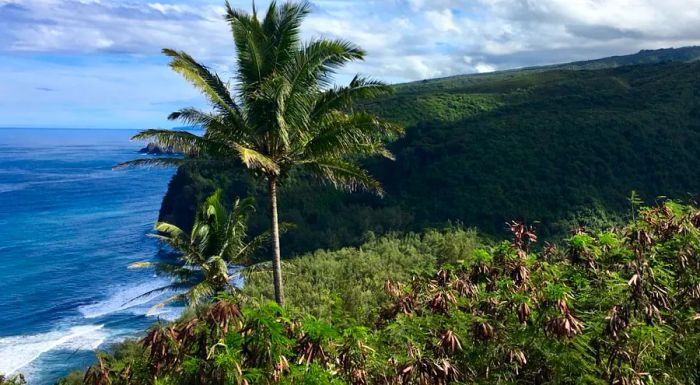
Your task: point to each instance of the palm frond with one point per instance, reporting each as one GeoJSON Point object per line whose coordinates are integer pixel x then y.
{"type": "Point", "coordinates": [249, 39]}
{"type": "Point", "coordinates": [197, 293]}
{"type": "Point", "coordinates": [171, 287]}
{"type": "Point", "coordinates": [179, 272]}
{"type": "Point", "coordinates": [282, 26]}
{"type": "Point", "coordinates": [174, 298]}
{"type": "Point", "coordinates": [257, 161]}
{"type": "Point", "coordinates": [209, 83]}
{"type": "Point", "coordinates": [153, 162]}
{"type": "Point", "coordinates": [350, 134]}
{"type": "Point", "coordinates": [172, 235]}
{"type": "Point", "coordinates": [268, 113]}
{"type": "Point", "coordinates": [258, 268]}
{"type": "Point", "coordinates": [171, 230]}
{"type": "Point", "coordinates": [341, 98]}
{"type": "Point", "coordinates": [344, 175]}
{"type": "Point", "coordinates": [243, 207]}
{"type": "Point", "coordinates": [227, 130]}
{"type": "Point", "coordinates": [214, 209]}
{"type": "Point", "coordinates": [314, 64]}
{"type": "Point", "coordinates": [186, 142]}
{"type": "Point", "coordinates": [202, 239]}
{"type": "Point", "coordinates": [243, 256]}
{"type": "Point", "coordinates": [194, 116]}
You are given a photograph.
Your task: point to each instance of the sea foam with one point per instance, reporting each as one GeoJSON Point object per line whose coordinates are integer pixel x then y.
{"type": "Point", "coordinates": [129, 299]}
{"type": "Point", "coordinates": [16, 352]}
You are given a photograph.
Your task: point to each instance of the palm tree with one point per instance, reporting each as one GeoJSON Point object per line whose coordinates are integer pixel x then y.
{"type": "Point", "coordinates": [282, 112]}
{"type": "Point", "coordinates": [218, 240]}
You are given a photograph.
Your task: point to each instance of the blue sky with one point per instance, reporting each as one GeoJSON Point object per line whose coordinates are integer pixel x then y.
{"type": "Point", "coordinates": [97, 63]}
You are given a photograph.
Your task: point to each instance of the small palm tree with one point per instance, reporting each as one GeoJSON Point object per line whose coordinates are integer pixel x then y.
{"type": "Point", "coordinates": [217, 241]}
{"type": "Point", "coordinates": [284, 114]}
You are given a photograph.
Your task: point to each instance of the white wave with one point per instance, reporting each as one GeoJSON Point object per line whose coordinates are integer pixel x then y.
{"type": "Point", "coordinates": [17, 352]}
{"type": "Point", "coordinates": [9, 187]}
{"type": "Point", "coordinates": [130, 298]}
{"type": "Point", "coordinates": [168, 313]}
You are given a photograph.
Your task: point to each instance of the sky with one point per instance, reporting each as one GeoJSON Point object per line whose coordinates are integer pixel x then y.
{"type": "Point", "coordinates": [97, 63]}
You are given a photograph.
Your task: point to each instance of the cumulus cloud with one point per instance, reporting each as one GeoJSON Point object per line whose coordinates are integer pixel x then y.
{"type": "Point", "coordinates": [402, 37]}
{"type": "Point", "coordinates": [91, 26]}
{"type": "Point", "coordinates": [405, 39]}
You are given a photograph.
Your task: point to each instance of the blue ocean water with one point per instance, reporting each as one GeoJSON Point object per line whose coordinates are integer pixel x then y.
{"type": "Point", "coordinates": [69, 227]}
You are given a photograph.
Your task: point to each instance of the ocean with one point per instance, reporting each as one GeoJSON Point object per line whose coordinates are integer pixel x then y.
{"type": "Point", "coordinates": [69, 227]}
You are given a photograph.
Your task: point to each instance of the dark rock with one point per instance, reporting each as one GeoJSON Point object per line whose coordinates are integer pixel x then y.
{"type": "Point", "coordinates": [156, 149]}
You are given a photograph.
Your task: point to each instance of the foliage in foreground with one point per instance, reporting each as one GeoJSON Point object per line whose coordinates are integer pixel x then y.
{"type": "Point", "coordinates": [348, 283]}
{"type": "Point", "coordinates": [618, 306]}
{"type": "Point", "coordinates": [12, 380]}
{"type": "Point", "coordinates": [218, 239]}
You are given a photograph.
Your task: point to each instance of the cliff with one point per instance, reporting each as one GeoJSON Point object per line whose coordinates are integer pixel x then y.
{"type": "Point", "coordinates": [538, 146]}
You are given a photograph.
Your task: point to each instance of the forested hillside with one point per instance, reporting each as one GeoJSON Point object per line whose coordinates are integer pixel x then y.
{"type": "Point", "coordinates": [536, 144]}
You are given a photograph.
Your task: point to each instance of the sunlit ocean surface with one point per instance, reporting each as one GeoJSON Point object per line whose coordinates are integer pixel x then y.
{"type": "Point", "coordinates": [69, 227]}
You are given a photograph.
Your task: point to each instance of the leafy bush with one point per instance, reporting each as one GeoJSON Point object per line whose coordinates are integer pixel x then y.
{"type": "Point", "coordinates": [15, 380]}
{"type": "Point", "coordinates": [347, 283]}
{"type": "Point", "coordinates": [611, 306]}
{"type": "Point", "coordinates": [75, 377]}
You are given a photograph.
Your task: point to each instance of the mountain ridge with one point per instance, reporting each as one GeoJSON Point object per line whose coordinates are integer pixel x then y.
{"type": "Point", "coordinates": [645, 56]}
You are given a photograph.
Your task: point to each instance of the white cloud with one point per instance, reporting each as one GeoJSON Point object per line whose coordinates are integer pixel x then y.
{"type": "Point", "coordinates": [483, 68]}
{"type": "Point", "coordinates": [401, 35]}
{"type": "Point", "coordinates": [84, 27]}
{"type": "Point", "coordinates": [405, 39]}
{"type": "Point", "coordinates": [442, 21]}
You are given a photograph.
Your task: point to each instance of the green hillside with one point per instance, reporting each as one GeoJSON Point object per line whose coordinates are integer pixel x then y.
{"type": "Point", "coordinates": [647, 56]}
{"type": "Point", "coordinates": [536, 144]}
{"type": "Point", "coordinates": [456, 97]}
{"type": "Point", "coordinates": [658, 56]}
{"type": "Point", "coordinates": [539, 145]}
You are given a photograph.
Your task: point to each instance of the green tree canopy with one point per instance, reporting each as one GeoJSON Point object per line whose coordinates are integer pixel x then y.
{"type": "Point", "coordinates": [217, 241]}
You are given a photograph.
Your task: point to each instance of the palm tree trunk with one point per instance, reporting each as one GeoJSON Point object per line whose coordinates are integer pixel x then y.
{"type": "Point", "coordinates": [276, 263]}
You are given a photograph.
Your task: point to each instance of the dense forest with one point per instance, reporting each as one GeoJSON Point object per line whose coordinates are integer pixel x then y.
{"type": "Point", "coordinates": [540, 145]}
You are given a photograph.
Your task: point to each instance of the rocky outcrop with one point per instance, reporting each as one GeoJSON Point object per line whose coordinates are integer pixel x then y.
{"type": "Point", "coordinates": [156, 149]}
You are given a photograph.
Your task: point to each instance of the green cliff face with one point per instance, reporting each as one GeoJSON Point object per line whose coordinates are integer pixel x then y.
{"type": "Point", "coordinates": [322, 216]}
{"type": "Point", "coordinates": [535, 144]}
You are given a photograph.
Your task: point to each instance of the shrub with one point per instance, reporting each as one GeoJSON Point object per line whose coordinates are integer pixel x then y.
{"type": "Point", "coordinates": [610, 306]}
{"type": "Point", "coordinates": [347, 283]}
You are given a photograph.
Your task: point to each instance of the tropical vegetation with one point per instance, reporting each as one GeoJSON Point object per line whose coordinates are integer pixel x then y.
{"type": "Point", "coordinates": [614, 300]}
{"type": "Point", "coordinates": [618, 305]}
{"type": "Point", "coordinates": [12, 380]}
{"type": "Point", "coordinates": [347, 284]}
{"type": "Point", "coordinates": [217, 243]}
{"type": "Point", "coordinates": [284, 112]}
{"type": "Point", "coordinates": [539, 146]}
